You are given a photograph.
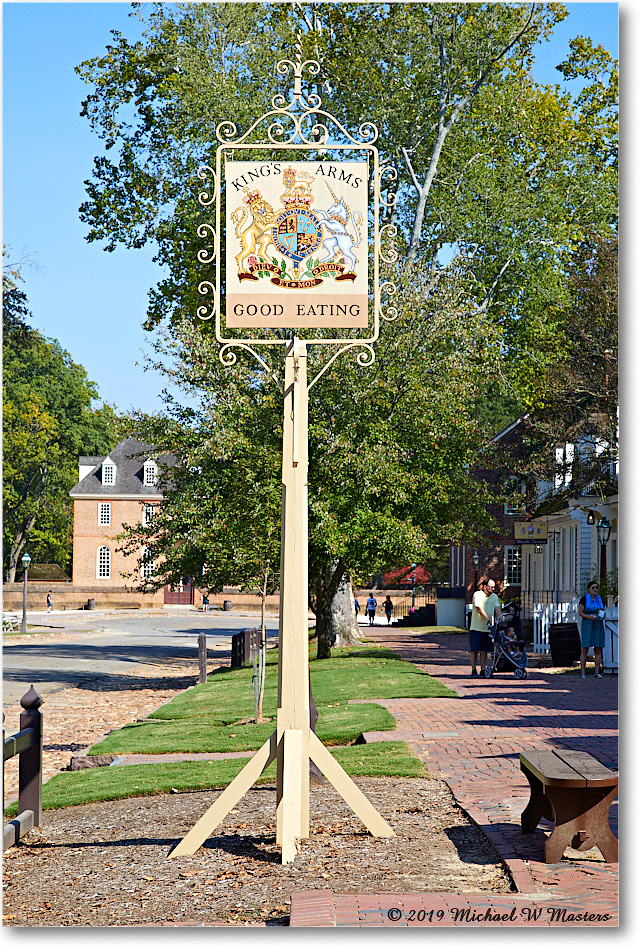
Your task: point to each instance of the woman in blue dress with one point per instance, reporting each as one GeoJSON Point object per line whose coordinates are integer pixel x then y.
{"type": "Point", "coordinates": [591, 611]}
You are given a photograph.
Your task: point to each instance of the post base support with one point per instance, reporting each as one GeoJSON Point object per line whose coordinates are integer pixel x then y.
{"type": "Point", "coordinates": [292, 762]}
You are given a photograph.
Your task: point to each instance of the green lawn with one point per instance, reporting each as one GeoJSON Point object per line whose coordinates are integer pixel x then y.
{"type": "Point", "coordinates": [337, 725]}
{"type": "Point", "coordinates": [208, 718]}
{"type": "Point", "coordinates": [217, 717]}
{"type": "Point", "coordinates": [131, 781]}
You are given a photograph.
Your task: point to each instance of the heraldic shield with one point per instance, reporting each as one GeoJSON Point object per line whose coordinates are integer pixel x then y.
{"type": "Point", "coordinates": [297, 234]}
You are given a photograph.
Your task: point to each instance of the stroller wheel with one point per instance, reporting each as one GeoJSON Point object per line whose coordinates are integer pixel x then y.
{"type": "Point", "coordinates": [488, 672]}
{"type": "Point", "coordinates": [520, 674]}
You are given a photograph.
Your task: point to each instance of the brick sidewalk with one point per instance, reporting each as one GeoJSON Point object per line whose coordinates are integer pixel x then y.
{"type": "Point", "coordinates": [473, 743]}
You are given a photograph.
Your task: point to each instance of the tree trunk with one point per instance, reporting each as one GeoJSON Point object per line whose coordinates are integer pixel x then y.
{"type": "Point", "coordinates": [334, 609]}
{"type": "Point", "coordinates": [18, 546]}
{"type": "Point", "coordinates": [343, 621]}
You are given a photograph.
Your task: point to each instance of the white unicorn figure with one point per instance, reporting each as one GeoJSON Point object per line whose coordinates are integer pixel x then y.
{"type": "Point", "coordinates": [339, 241]}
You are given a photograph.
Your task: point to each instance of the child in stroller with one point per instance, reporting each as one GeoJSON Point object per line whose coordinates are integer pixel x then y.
{"type": "Point", "coordinates": [508, 650]}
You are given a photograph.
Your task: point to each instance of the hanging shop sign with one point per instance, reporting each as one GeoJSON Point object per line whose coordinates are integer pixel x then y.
{"type": "Point", "coordinates": [297, 244]}
{"type": "Point", "coordinates": [531, 532]}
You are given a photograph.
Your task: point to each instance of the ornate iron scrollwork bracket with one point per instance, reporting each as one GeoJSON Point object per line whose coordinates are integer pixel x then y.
{"type": "Point", "coordinates": [301, 124]}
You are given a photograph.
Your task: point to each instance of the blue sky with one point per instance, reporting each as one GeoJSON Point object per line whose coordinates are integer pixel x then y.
{"type": "Point", "coordinates": [94, 302]}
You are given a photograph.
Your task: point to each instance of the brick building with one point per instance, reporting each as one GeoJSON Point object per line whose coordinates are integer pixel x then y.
{"type": "Point", "coordinates": [112, 491]}
{"type": "Point", "coordinates": [498, 555]}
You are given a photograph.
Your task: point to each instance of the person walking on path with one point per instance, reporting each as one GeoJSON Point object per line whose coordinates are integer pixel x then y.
{"type": "Point", "coordinates": [49, 602]}
{"type": "Point", "coordinates": [356, 608]}
{"type": "Point", "coordinates": [371, 606]}
{"type": "Point", "coordinates": [591, 610]}
{"type": "Point", "coordinates": [480, 642]}
{"type": "Point", "coordinates": [387, 606]}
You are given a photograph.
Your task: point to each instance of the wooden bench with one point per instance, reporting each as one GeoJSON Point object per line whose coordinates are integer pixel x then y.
{"type": "Point", "coordinates": [574, 791]}
{"type": "Point", "coordinates": [10, 621]}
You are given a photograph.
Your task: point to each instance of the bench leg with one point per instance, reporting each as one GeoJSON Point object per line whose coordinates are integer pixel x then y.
{"type": "Point", "coordinates": [538, 806]}
{"type": "Point", "coordinates": [582, 822]}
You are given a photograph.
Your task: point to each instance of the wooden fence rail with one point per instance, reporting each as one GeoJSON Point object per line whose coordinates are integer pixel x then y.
{"type": "Point", "coordinates": [27, 744]}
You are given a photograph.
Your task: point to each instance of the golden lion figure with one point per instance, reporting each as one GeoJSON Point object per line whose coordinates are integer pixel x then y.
{"type": "Point", "coordinates": [257, 236]}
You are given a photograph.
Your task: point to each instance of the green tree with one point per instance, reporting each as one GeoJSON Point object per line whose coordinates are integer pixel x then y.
{"type": "Point", "coordinates": [497, 180]}
{"type": "Point", "coordinates": [578, 404]}
{"type": "Point", "coordinates": [49, 420]}
{"type": "Point", "coordinates": [390, 448]}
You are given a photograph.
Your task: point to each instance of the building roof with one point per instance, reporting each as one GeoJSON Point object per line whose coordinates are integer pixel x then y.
{"type": "Point", "coordinates": [129, 457]}
{"type": "Point", "coordinates": [509, 428]}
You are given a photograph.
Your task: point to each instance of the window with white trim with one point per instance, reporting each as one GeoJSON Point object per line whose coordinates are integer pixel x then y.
{"type": "Point", "coordinates": [512, 509]}
{"type": "Point", "coordinates": [104, 512]}
{"type": "Point", "coordinates": [149, 513]}
{"type": "Point", "coordinates": [564, 458]}
{"type": "Point", "coordinates": [512, 484]}
{"type": "Point", "coordinates": [513, 566]}
{"type": "Point", "coordinates": [149, 473]}
{"type": "Point", "coordinates": [109, 473]}
{"type": "Point", "coordinates": [147, 563]}
{"type": "Point", "coordinates": [103, 559]}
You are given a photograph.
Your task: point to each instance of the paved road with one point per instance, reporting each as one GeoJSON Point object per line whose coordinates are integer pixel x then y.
{"type": "Point", "coordinates": [77, 649]}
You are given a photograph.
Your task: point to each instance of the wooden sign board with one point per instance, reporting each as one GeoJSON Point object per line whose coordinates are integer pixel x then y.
{"type": "Point", "coordinates": [531, 532]}
{"type": "Point", "coordinates": [297, 244]}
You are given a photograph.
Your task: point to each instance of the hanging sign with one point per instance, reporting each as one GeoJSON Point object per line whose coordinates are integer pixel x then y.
{"type": "Point", "coordinates": [297, 244]}
{"type": "Point", "coordinates": [531, 532]}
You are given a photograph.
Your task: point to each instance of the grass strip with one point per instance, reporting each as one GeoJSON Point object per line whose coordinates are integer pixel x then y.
{"type": "Point", "coordinates": [213, 717]}
{"type": "Point", "coordinates": [132, 781]}
{"type": "Point", "coordinates": [339, 724]}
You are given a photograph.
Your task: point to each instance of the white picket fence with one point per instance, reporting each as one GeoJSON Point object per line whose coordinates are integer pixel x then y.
{"type": "Point", "coordinates": [611, 655]}
{"type": "Point", "coordinates": [544, 614]}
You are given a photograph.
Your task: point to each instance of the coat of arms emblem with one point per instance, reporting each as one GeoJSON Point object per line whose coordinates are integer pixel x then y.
{"type": "Point", "coordinates": [294, 234]}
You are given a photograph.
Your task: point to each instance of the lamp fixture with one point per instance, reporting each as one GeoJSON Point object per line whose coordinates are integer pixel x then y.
{"type": "Point", "coordinates": [590, 518]}
{"type": "Point", "coordinates": [603, 530]}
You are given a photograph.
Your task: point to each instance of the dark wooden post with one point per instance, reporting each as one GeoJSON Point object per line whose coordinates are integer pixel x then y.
{"type": "Point", "coordinates": [30, 763]}
{"type": "Point", "coordinates": [202, 657]}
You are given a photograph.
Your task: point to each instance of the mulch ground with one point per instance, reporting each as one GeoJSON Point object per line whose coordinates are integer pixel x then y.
{"type": "Point", "coordinates": [107, 864]}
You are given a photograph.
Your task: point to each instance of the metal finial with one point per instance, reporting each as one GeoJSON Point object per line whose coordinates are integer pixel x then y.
{"type": "Point", "coordinates": [298, 69]}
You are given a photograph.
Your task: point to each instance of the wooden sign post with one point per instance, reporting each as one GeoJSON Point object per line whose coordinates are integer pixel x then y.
{"type": "Point", "coordinates": [297, 232]}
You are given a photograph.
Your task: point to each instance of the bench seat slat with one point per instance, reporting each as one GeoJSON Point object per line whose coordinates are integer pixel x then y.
{"type": "Point", "coordinates": [564, 768]}
{"type": "Point", "coordinates": [551, 770]}
{"type": "Point", "coordinates": [596, 774]}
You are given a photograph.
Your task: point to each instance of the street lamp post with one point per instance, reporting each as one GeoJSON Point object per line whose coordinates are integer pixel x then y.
{"type": "Point", "coordinates": [26, 561]}
{"type": "Point", "coordinates": [414, 568]}
{"type": "Point", "coordinates": [603, 535]}
{"type": "Point", "coordinates": [476, 566]}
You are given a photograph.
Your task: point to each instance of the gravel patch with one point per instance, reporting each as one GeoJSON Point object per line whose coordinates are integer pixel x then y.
{"type": "Point", "coordinates": [107, 864]}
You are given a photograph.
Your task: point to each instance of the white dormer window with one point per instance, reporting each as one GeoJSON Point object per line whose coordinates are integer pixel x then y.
{"type": "Point", "coordinates": [150, 471]}
{"type": "Point", "coordinates": [564, 458]}
{"type": "Point", "coordinates": [109, 472]}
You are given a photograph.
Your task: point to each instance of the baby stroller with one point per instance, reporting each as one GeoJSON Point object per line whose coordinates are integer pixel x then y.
{"type": "Point", "coordinates": [508, 654]}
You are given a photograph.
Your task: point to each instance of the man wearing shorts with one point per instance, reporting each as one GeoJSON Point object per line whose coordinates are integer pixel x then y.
{"type": "Point", "coordinates": [480, 642]}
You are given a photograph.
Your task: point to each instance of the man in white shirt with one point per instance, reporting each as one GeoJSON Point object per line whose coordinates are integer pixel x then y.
{"type": "Point", "coordinates": [484, 600]}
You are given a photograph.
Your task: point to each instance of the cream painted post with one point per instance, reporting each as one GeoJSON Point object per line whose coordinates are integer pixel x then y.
{"type": "Point", "coordinates": [292, 744]}
{"type": "Point", "coordinates": [293, 703]}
